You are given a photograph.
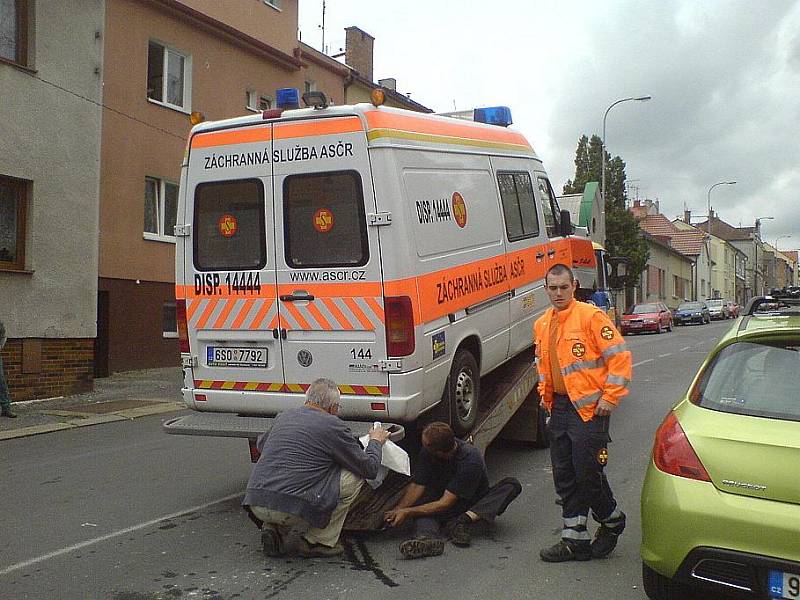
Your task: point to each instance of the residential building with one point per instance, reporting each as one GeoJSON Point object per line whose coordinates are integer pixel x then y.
{"type": "Point", "coordinates": [793, 262]}
{"type": "Point", "coordinates": [51, 61]}
{"type": "Point", "coordinates": [748, 241]}
{"type": "Point", "coordinates": [587, 210]}
{"type": "Point", "coordinates": [669, 273]}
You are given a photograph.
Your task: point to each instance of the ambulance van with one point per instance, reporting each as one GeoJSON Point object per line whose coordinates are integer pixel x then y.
{"type": "Point", "coordinates": [400, 254]}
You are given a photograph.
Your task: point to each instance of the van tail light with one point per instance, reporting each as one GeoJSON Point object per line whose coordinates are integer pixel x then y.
{"type": "Point", "coordinates": [183, 328]}
{"type": "Point", "coordinates": [673, 454]}
{"type": "Point", "coordinates": [399, 325]}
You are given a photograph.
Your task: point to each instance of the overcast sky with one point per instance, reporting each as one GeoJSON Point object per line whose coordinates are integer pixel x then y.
{"type": "Point", "coordinates": [724, 76]}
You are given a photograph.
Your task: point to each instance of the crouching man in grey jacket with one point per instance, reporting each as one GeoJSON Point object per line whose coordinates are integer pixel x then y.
{"type": "Point", "coordinates": [310, 471]}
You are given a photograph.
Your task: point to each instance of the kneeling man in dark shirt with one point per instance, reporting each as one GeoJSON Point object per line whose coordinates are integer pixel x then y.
{"type": "Point", "coordinates": [450, 488]}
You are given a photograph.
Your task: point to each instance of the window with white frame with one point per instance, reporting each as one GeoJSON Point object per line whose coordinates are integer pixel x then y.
{"type": "Point", "coordinates": [169, 320]}
{"type": "Point", "coordinates": [160, 209]}
{"type": "Point", "coordinates": [310, 86]}
{"type": "Point", "coordinates": [273, 3]}
{"type": "Point", "coordinates": [258, 102]}
{"type": "Point", "coordinates": [168, 76]}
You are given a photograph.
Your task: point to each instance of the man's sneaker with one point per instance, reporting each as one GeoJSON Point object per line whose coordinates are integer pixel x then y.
{"type": "Point", "coordinates": [422, 547]}
{"type": "Point", "coordinates": [459, 531]}
{"type": "Point", "coordinates": [271, 541]}
{"type": "Point", "coordinates": [307, 550]}
{"type": "Point", "coordinates": [564, 551]}
{"type": "Point", "coordinates": [6, 412]}
{"type": "Point", "coordinates": [605, 540]}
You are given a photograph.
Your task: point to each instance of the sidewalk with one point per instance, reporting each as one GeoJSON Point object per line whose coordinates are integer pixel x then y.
{"type": "Point", "coordinates": [116, 398]}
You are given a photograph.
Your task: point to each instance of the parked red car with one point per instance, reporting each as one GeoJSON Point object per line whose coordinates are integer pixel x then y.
{"type": "Point", "coordinates": [652, 316]}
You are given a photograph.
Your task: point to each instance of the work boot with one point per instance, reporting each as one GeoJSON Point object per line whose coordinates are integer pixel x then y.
{"type": "Point", "coordinates": [308, 550]}
{"type": "Point", "coordinates": [271, 541]}
{"type": "Point", "coordinates": [605, 539]}
{"type": "Point", "coordinates": [565, 550]}
{"type": "Point", "coordinates": [421, 547]}
{"type": "Point", "coordinates": [459, 532]}
{"type": "Point", "coordinates": [6, 412]}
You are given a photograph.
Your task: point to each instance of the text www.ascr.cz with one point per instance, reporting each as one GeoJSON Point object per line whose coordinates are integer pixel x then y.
{"type": "Point", "coordinates": [328, 275]}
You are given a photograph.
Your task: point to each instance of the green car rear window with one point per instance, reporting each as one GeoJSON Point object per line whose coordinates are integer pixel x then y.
{"type": "Point", "coordinates": [759, 379]}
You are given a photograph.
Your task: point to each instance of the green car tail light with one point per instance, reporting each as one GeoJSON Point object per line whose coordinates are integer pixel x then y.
{"type": "Point", "coordinates": [673, 454]}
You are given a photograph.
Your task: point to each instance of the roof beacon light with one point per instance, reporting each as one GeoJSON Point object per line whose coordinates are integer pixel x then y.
{"type": "Point", "coordinates": [287, 98]}
{"type": "Point", "coordinates": [377, 96]}
{"type": "Point", "coordinates": [493, 115]}
{"type": "Point", "coordinates": [315, 99]}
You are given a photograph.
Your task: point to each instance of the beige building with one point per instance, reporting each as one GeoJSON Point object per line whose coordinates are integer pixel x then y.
{"type": "Point", "coordinates": [50, 110]}
{"type": "Point", "coordinates": [668, 277]}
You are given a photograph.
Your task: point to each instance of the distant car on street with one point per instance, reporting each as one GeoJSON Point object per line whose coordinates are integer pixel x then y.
{"type": "Point", "coordinates": [718, 309]}
{"type": "Point", "coordinates": [733, 309]}
{"type": "Point", "coordinates": [651, 316]}
{"type": "Point", "coordinates": [720, 501]}
{"type": "Point", "coordinates": [692, 312]}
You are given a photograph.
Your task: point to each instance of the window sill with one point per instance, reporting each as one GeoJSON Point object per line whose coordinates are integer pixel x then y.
{"type": "Point", "coordinates": [271, 5]}
{"type": "Point", "coordinates": [170, 335]}
{"type": "Point", "coordinates": [20, 271]}
{"type": "Point", "coordinates": [174, 107]}
{"type": "Point", "coordinates": [154, 237]}
{"type": "Point", "coordinates": [16, 65]}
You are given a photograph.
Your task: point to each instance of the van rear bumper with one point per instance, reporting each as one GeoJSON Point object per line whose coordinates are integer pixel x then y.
{"type": "Point", "coordinates": [403, 404]}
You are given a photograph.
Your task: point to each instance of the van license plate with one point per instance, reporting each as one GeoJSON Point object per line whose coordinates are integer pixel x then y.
{"type": "Point", "coordinates": [228, 356]}
{"type": "Point", "coordinates": [784, 585]}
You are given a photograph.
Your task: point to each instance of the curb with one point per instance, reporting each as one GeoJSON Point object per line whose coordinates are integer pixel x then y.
{"type": "Point", "coordinates": [87, 419]}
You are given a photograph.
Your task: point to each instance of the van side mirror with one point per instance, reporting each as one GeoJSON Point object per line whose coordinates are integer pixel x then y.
{"type": "Point", "coordinates": [565, 224]}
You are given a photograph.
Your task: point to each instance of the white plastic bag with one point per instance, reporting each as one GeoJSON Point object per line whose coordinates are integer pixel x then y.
{"type": "Point", "coordinates": [393, 457]}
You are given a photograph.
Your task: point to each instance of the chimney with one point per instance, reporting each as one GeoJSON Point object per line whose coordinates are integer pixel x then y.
{"type": "Point", "coordinates": [390, 83]}
{"type": "Point", "coordinates": [637, 203]}
{"type": "Point", "coordinates": [358, 51]}
{"type": "Point", "coordinates": [658, 208]}
{"type": "Point", "coordinates": [687, 217]}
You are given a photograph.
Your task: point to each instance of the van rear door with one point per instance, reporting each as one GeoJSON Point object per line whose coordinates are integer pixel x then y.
{"type": "Point", "coordinates": [230, 286]}
{"type": "Point", "coordinates": [330, 283]}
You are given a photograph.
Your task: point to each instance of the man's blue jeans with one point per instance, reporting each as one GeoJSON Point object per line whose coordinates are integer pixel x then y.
{"type": "Point", "coordinates": [5, 398]}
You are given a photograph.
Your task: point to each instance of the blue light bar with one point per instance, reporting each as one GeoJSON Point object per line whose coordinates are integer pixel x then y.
{"type": "Point", "coordinates": [493, 115]}
{"type": "Point", "coordinates": [287, 98]}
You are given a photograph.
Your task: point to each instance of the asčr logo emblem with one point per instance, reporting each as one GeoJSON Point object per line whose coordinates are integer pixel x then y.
{"type": "Point", "coordinates": [227, 225]}
{"type": "Point", "coordinates": [459, 210]}
{"type": "Point", "coordinates": [323, 220]}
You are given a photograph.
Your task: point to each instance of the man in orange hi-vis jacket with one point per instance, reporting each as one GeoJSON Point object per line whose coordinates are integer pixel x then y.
{"type": "Point", "coordinates": [584, 370]}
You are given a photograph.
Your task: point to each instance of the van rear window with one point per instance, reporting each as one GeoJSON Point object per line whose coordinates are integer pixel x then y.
{"type": "Point", "coordinates": [229, 227]}
{"type": "Point", "coordinates": [324, 220]}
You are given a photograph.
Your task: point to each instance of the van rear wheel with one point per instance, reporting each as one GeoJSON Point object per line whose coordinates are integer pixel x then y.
{"type": "Point", "coordinates": [463, 392]}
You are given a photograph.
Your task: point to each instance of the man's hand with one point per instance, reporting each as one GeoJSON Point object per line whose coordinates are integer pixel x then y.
{"type": "Point", "coordinates": [604, 408]}
{"type": "Point", "coordinates": [380, 434]}
{"type": "Point", "coordinates": [396, 517]}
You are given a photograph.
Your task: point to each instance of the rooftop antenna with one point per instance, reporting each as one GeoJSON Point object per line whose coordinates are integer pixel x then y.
{"type": "Point", "coordinates": [323, 27]}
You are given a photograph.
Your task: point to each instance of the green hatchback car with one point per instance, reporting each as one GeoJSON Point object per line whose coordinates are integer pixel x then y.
{"type": "Point", "coordinates": [721, 498]}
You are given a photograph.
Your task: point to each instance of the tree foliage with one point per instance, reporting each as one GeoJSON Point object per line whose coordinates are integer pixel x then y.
{"type": "Point", "coordinates": [622, 232]}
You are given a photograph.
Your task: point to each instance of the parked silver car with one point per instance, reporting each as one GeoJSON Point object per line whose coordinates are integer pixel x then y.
{"type": "Point", "coordinates": [718, 309]}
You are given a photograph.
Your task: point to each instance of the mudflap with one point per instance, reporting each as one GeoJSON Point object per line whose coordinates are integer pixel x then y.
{"type": "Point", "coordinates": [366, 513]}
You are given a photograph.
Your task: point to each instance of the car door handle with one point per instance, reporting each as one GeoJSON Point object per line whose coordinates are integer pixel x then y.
{"type": "Point", "coordinates": [297, 296]}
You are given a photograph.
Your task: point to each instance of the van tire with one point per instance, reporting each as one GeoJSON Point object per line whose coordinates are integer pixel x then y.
{"type": "Point", "coordinates": [462, 392]}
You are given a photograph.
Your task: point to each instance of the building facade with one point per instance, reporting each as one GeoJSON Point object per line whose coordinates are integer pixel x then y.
{"type": "Point", "coordinates": [668, 276]}
{"type": "Point", "coordinates": [51, 61]}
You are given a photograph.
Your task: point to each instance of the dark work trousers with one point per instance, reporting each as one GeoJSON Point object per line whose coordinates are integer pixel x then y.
{"type": "Point", "coordinates": [579, 451]}
{"type": "Point", "coordinates": [491, 505]}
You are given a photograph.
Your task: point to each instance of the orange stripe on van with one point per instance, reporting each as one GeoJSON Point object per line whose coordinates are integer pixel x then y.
{"type": "Point", "coordinates": [359, 314]}
{"type": "Point", "coordinates": [223, 316]}
{"type": "Point", "coordinates": [316, 127]}
{"type": "Point", "coordinates": [344, 323]}
{"type": "Point", "coordinates": [274, 322]}
{"type": "Point", "coordinates": [295, 312]}
{"type": "Point", "coordinates": [376, 308]}
{"type": "Point", "coordinates": [318, 316]}
{"type": "Point", "coordinates": [191, 308]}
{"type": "Point", "coordinates": [333, 290]}
{"type": "Point", "coordinates": [377, 119]}
{"type": "Point", "coordinates": [248, 305]}
{"type": "Point", "coordinates": [206, 315]}
{"type": "Point", "coordinates": [247, 135]}
{"type": "Point", "coordinates": [256, 324]}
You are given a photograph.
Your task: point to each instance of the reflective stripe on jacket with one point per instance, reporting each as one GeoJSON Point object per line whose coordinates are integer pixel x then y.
{"type": "Point", "coordinates": [594, 359]}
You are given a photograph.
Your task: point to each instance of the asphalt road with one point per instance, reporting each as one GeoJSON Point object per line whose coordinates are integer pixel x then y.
{"type": "Point", "coordinates": [124, 512]}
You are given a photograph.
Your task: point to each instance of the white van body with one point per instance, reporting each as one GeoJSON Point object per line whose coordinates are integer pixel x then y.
{"type": "Point", "coordinates": [368, 245]}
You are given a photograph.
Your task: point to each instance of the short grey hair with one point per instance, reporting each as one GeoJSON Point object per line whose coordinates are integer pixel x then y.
{"type": "Point", "coordinates": [323, 393]}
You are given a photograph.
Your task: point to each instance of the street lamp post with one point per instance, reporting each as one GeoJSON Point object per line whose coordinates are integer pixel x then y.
{"type": "Point", "coordinates": [708, 231]}
{"type": "Point", "coordinates": [603, 148]}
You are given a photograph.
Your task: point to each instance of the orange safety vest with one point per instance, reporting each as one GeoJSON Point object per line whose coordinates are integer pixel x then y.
{"type": "Point", "coordinates": [594, 359]}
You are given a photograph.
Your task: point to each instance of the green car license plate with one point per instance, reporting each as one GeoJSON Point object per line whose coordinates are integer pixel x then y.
{"type": "Point", "coordinates": [226, 356]}
{"type": "Point", "coordinates": [784, 585]}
